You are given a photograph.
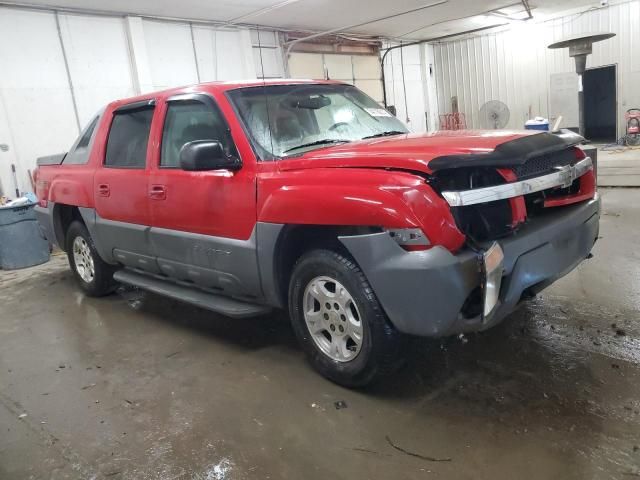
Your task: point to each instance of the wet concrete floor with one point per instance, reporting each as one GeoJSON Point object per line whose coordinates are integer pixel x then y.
{"type": "Point", "coordinates": [139, 387]}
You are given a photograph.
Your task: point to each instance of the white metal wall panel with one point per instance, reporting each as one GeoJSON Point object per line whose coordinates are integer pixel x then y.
{"type": "Point", "coordinates": [339, 67]}
{"type": "Point", "coordinates": [107, 58]}
{"type": "Point", "coordinates": [99, 63]}
{"type": "Point", "coordinates": [363, 71]}
{"type": "Point", "coordinates": [409, 79]}
{"type": "Point", "coordinates": [432, 121]}
{"type": "Point", "coordinates": [267, 54]}
{"type": "Point", "coordinates": [235, 55]}
{"type": "Point", "coordinates": [171, 54]}
{"type": "Point", "coordinates": [515, 66]}
{"type": "Point", "coordinates": [367, 74]}
{"type": "Point", "coordinates": [206, 42]}
{"type": "Point", "coordinates": [373, 88]}
{"type": "Point", "coordinates": [366, 67]}
{"type": "Point", "coordinates": [34, 91]}
{"type": "Point", "coordinates": [7, 158]}
{"type": "Point", "coordinates": [306, 65]}
{"type": "Point", "coordinates": [268, 62]}
{"type": "Point", "coordinates": [563, 91]}
{"type": "Point", "coordinates": [223, 54]}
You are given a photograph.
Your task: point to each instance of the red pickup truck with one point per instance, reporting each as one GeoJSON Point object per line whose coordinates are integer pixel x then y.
{"type": "Point", "coordinates": [308, 196]}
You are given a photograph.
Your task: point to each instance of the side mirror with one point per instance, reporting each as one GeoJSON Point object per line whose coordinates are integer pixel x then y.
{"type": "Point", "coordinates": [202, 155]}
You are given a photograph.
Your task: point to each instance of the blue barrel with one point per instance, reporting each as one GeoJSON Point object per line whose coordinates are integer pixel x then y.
{"type": "Point", "coordinates": [21, 244]}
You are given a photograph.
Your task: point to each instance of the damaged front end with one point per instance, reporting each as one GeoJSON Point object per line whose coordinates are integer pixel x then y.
{"type": "Point", "coordinates": [530, 215]}
{"type": "Point", "coordinates": [491, 195]}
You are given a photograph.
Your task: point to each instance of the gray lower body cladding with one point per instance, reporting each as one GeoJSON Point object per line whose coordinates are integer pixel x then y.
{"type": "Point", "coordinates": [423, 293]}
{"type": "Point", "coordinates": [231, 267]}
{"type": "Point", "coordinates": [45, 222]}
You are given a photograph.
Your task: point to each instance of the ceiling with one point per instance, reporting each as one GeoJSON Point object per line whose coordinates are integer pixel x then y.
{"type": "Point", "coordinates": [401, 19]}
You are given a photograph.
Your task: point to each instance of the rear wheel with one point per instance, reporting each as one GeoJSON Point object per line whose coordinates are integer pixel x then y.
{"type": "Point", "coordinates": [339, 321]}
{"type": "Point", "coordinates": [94, 275]}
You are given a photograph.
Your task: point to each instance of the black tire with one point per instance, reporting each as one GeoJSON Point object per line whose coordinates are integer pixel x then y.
{"type": "Point", "coordinates": [102, 282]}
{"type": "Point", "coordinates": [381, 351]}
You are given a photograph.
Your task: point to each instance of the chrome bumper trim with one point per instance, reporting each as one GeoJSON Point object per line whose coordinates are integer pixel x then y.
{"type": "Point", "coordinates": [493, 268]}
{"type": "Point", "coordinates": [562, 177]}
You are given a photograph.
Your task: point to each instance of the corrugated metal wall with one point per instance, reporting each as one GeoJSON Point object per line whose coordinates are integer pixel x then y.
{"type": "Point", "coordinates": [515, 65]}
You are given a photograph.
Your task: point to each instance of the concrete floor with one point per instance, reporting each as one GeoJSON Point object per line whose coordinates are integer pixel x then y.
{"type": "Point", "coordinates": [138, 387]}
{"type": "Point", "coordinates": [619, 167]}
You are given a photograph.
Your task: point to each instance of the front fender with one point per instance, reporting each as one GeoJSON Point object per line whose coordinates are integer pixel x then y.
{"type": "Point", "coordinates": [357, 197]}
{"type": "Point", "coordinates": [335, 205]}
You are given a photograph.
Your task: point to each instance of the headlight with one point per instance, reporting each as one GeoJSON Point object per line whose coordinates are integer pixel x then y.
{"type": "Point", "coordinates": [409, 238]}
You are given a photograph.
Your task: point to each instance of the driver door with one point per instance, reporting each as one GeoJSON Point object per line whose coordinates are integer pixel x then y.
{"type": "Point", "coordinates": [202, 223]}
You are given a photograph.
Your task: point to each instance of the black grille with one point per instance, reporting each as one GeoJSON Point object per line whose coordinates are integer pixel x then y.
{"type": "Point", "coordinates": [545, 163]}
{"type": "Point", "coordinates": [481, 222]}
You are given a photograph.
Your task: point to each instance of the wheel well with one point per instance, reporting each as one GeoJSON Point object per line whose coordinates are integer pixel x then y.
{"type": "Point", "coordinates": [63, 216]}
{"type": "Point", "coordinates": [296, 240]}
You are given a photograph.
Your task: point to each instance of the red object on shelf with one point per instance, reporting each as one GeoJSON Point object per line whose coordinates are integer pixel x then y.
{"type": "Point", "coordinates": [453, 121]}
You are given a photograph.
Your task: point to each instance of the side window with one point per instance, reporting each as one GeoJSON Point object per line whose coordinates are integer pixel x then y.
{"type": "Point", "coordinates": [187, 121]}
{"type": "Point", "coordinates": [86, 136]}
{"type": "Point", "coordinates": [128, 138]}
{"type": "Point", "coordinates": [79, 153]}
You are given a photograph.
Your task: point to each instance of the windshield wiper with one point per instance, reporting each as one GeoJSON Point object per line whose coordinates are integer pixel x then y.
{"type": "Point", "coordinates": [385, 134]}
{"type": "Point", "coordinates": [324, 141]}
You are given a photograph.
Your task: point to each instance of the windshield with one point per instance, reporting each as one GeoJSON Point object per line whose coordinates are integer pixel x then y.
{"type": "Point", "coordinates": [286, 120]}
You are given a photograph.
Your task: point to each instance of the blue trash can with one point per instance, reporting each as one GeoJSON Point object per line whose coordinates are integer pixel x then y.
{"type": "Point", "coordinates": [21, 244]}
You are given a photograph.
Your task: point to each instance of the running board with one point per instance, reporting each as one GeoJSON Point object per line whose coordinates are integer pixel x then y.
{"type": "Point", "coordinates": [200, 298]}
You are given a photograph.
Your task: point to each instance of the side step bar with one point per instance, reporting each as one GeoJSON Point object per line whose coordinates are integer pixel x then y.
{"type": "Point", "coordinates": [200, 298]}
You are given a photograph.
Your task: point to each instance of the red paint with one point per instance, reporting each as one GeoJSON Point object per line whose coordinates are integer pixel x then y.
{"type": "Point", "coordinates": [219, 203]}
{"type": "Point", "coordinates": [355, 196]}
{"type": "Point", "coordinates": [377, 182]}
{"type": "Point", "coordinates": [517, 204]}
{"type": "Point", "coordinates": [587, 190]}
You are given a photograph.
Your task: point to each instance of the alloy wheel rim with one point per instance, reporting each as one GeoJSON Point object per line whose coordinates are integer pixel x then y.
{"type": "Point", "coordinates": [333, 319]}
{"type": "Point", "coordinates": [83, 259]}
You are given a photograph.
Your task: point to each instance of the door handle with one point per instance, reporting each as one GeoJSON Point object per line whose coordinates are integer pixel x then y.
{"type": "Point", "coordinates": [103, 190]}
{"type": "Point", "coordinates": [158, 192]}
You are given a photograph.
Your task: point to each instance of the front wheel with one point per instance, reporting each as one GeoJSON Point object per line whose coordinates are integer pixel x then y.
{"type": "Point", "coordinates": [94, 275]}
{"type": "Point", "coordinates": [339, 321]}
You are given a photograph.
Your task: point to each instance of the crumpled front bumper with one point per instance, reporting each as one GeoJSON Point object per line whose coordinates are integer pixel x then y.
{"type": "Point", "coordinates": [423, 293]}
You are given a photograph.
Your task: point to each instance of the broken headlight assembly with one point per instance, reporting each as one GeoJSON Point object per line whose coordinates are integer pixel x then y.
{"type": "Point", "coordinates": [410, 239]}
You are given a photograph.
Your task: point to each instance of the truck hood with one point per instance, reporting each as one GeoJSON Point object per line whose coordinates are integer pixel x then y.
{"type": "Point", "coordinates": [415, 152]}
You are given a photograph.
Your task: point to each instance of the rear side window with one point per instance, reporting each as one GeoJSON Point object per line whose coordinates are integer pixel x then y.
{"type": "Point", "coordinates": [79, 153]}
{"type": "Point", "coordinates": [128, 138]}
{"type": "Point", "coordinates": [86, 136]}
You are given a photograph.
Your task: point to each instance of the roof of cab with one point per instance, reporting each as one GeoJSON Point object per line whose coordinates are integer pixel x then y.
{"type": "Point", "coordinates": [221, 86]}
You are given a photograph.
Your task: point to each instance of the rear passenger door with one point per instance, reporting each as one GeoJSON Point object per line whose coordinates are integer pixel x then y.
{"type": "Point", "coordinates": [121, 187]}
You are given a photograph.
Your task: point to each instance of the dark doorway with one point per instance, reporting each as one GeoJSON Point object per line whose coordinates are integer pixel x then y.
{"type": "Point", "coordinates": [600, 108]}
